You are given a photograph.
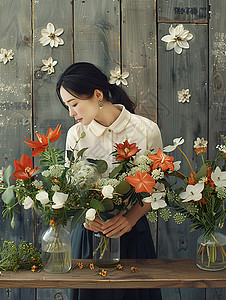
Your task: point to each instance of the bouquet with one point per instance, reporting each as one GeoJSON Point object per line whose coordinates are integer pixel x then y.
{"type": "Point", "coordinates": [201, 199]}
{"type": "Point", "coordinates": [77, 190]}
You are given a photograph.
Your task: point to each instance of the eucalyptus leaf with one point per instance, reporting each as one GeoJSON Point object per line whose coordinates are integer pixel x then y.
{"type": "Point", "coordinates": [123, 187]}
{"type": "Point", "coordinates": [102, 166]}
{"type": "Point", "coordinates": [7, 174]}
{"type": "Point", "coordinates": [97, 205]}
{"type": "Point", "coordinates": [8, 196]}
{"type": "Point", "coordinates": [115, 171]}
{"type": "Point", "coordinates": [201, 173]}
{"type": "Point", "coordinates": [80, 152]}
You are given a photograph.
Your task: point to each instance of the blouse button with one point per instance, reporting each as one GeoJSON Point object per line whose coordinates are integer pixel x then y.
{"type": "Point", "coordinates": [109, 130]}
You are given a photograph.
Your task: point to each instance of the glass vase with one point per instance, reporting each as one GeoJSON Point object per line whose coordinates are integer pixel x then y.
{"type": "Point", "coordinates": [56, 250]}
{"type": "Point", "coordinates": [211, 251]}
{"type": "Point", "coordinates": [106, 251]}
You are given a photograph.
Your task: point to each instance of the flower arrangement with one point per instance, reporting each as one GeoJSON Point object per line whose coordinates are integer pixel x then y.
{"type": "Point", "coordinates": [201, 198]}
{"type": "Point", "coordinates": [77, 191]}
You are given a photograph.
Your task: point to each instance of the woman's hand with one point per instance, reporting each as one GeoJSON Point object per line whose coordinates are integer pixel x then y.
{"type": "Point", "coordinates": [95, 225]}
{"type": "Point", "coordinates": [119, 224]}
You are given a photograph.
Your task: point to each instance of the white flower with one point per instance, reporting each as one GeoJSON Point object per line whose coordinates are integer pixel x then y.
{"type": "Point", "coordinates": [219, 177]}
{"type": "Point", "coordinates": [176, 142]}
{"type": "Point", "coordinates": [193, 192]}
{"type": "Point", "coordinates": [183, 96]}
{"type": "Point", "coordinates": [91, 214]}
{"type": "Point", "coordinates": [200, 143]}
{"type": "Point", "coordinates": [117, 78]}
{"type": "Point", "coordinates": [107, 191]}
{"type": "Point", "coordinates": [43, 197]}
{"type": "Point", "coordinates": [28, 203]}
{"type": "Point", "coordinates": [50, 36]}
{"type": "Point", "coordinates": [59, 199]}
{"type": "Point", "coordinates": [156, 200]}
{"type": "Point", "coordinates": [49, 65]}
{"type": "Point", "coordinates": [221, 148]}
{"type": "Point", "coordinates": [177, 39]}
{"type": "Point", "coordinates": [6, 55]}
{"type": "Point", "coordinates": [177, 165]}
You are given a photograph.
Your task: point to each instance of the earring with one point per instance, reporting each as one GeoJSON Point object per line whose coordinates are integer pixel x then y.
{"type": "Point", "coordinates": [100, 105]}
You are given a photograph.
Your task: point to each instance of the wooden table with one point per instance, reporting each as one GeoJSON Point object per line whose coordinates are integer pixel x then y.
{"type": "Point", "coordinates": [151, 273]}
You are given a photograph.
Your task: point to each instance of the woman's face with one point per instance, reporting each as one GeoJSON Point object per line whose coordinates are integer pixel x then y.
{"type": "Point", "coordinates": [84, 111]}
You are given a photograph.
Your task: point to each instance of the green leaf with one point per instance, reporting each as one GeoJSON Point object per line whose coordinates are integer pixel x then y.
{"type": "Point", "coordinates": [80, 152]}
{"type": "Point", "coordinates": [123, 187]}
{"type": "Point", "coordinates": [8, 196]}
{"type": "Point", "coordinates": [97, 205]}
{"type": "Point", "coordinates": [115, 171]}
{"type": "Point", "coordinates": [102, 166]}
{"type": "Point", "coordinates": [7, 174]}
{"type": "Point", "coordinates": [201, 173]}
{"type": "Point", "coordinates": [79, 217]}
{"type": "Point", "coordinates": [70, 156]}
{"type": "Point", "coordinates": [108, 204]}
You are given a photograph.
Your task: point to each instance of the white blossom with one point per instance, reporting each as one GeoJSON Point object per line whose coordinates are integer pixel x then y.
{"type": "Point", "coordinates": [107, 191]}
{"type": "Point", "coordinates": [219, 177]}
{"type": "Point", "coordinates": [6, 55]}
{"type": "Point", "coordinates": [157, 200]}
{"type": "Point", "coordinates": [51, 36]}
{"type": "Point", "coordinates": [176, 142]}
{"type": "Point", "coordinates": [49, 65]}
{"type": "Point", "coordinates": [200, 143]}
{"type": "Point", "coordinates": [221, 148]}
{"type": "Point", "coordinates": [117, 78]}
{"type": "Point", "coordinates": [193, 192]}
{"type": "Point", "coordinates": [177, 39]}
{"type": "Point", "coordinates": [183, 96]}
{"type": "Point", "coordinates": [43, 197]}
{"type": "Point", "coordinates": [90, 214]}
{"type": "Point", "coordinates": [157, 174]}
{"type": "Point", "coordinates": [28, 203]}
{"type": "Point", "coordinates": [59, 200]}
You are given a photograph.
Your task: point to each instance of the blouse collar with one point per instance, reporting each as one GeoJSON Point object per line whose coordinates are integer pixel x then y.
{"type": "Point", "coordinates": [117, 126]}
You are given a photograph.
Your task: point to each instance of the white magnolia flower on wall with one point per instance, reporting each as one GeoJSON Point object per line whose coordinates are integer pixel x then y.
{"type": "Point", "coordinates": [51, 36]}
{"type": "Point", "coordinates": [49, 65]}
{"type": "Point", "coordinates": [6, 55]}
{"type": "Point", "coordinates": [183, 96]}
{"type": "Point", "coordinates": [117, 78]}
{"type": "Point", "coordinates": [177, 39]}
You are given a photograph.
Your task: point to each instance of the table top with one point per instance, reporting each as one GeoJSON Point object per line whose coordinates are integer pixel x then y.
{"type": "Point", "coordinates": [151, 273]}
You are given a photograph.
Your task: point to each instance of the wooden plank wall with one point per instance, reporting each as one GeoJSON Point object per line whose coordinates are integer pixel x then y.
{"type": "Point", "coordinates": [108, 33]}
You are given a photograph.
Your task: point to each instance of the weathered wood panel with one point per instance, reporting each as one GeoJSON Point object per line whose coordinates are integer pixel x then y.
{"type": "Point", "coordinates": [189, 120]}
{"type": "Point", "coordinates": [139, 54]}
{"type": "Point", "coordinates": [96, 33]}
{"type": "Point", "coordinates": [47, 109]}
{"type": "Point", "coordinates": [217, 89]}
{"type": "Point", "coordinates": [192, 11]}
{"type": "Point", "coordinates": [15, 111]}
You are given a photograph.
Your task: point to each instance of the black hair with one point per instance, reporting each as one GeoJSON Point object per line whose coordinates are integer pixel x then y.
{"type": "Point", "coordinates": [83, 78]}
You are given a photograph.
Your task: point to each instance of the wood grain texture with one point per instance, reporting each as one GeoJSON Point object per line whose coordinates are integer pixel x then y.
{"type": "Point", "coordinates": [139, 56]}
{"type": "Point", "coordinates": [96, 33]}
{"type": "Point", "coordinates": [186, 11]}
{"type": "Point", "coordinates": [151, 273]}
{"type": "Point", "coordinates": [15, 111]}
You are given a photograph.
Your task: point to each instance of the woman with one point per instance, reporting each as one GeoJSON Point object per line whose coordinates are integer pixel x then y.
{"type": "Point", "coordinates": [106, 114]}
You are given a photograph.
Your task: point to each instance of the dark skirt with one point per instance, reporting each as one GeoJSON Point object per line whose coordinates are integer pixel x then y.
{"type": "Point", "coordinates": [135, 244]}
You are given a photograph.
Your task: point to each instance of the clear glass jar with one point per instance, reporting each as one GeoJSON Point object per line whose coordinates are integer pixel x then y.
{"type": "Point", "coordinates": [211, 251]}
{"type": "Point", "coordinates": [56, 250]}
{"type": "Point", "coordinates": [106, 251]}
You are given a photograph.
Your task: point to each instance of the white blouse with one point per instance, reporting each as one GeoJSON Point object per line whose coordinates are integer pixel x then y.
{"type": "Point", "coordinates": [101, 140]}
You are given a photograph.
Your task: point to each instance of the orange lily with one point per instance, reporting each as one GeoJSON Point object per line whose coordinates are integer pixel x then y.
{"type": "Point", "coordinates": [24, 168]}
{"type": "Point", "coordinates": [126, 150]}
{"type": "Point", "coordinates": [162, 160]}
{"type": "Point", "coordinates": [143, 182]}
{"type": "Point", "coordinates": [43, 141]}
